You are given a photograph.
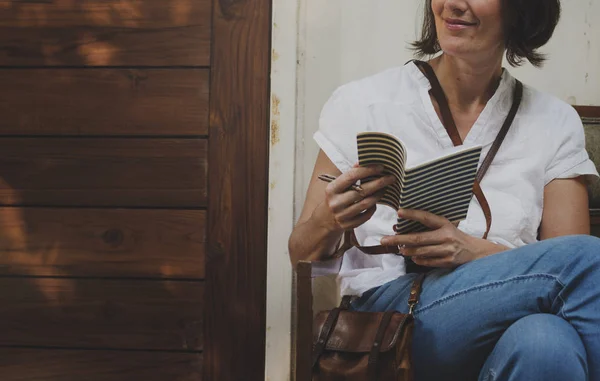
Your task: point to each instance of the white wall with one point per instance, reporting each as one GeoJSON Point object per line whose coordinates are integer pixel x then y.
{"type": "Point", "coordinates": [281, 188]}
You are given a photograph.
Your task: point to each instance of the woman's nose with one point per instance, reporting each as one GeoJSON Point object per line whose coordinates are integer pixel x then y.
{"type": "Point", "coordinates": [456, 7]}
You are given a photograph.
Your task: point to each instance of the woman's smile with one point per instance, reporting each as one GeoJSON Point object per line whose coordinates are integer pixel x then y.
{"type": "Point", "coordinates": [458, 25]}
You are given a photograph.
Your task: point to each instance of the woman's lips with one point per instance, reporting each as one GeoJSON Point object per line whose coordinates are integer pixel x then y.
{"type": "Point", "coordinates": [454, 24]}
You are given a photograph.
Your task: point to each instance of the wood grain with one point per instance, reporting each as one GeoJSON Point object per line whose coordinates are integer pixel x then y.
{"type": "Point", "coordinates": [103, 172]}
{"type": "Point", "coordinates": [238, 176]}
{"type": "Point", "coordinates": [303, 322]}
{"type": "Point", "coordinates": [154, 102]}
{"type": "Point", "coordinates": [105, 33]}
{"type": "Point", "coordinates": [109, 314]}
{"type": "Point", "coordinates": [102, 242]}
{"type": "Point", "coordinates": [69, 365]}
{"type": "Point", "coordinates": [588, 111]}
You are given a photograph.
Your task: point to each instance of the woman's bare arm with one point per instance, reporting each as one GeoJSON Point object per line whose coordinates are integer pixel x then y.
{"type": "Point", "coordinates": [330, 209]}
{"type": "Point", "coordinates": [566, 209]}
{"type": "Point", "coordinates": [312, 239]}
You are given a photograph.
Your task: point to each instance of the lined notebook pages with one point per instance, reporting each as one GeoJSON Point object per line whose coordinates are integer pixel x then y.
{"type": "Point", "coordinates": [442, 186]}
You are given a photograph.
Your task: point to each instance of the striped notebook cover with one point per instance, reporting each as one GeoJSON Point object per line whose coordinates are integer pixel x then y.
{"type": "Point", "coordinates": [443, 186]}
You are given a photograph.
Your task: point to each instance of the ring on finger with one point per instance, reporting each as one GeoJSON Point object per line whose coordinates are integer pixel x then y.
{"type": "Point", "coordinates": [400, 248]}
{"type": "Point", "coordinates": [360, 196]}
{"type": "Point", "coordinates": [356, 188]}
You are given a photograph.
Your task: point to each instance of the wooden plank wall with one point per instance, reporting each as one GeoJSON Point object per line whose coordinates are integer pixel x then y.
{"type": "Point", "coordinates": [103, 188]}
{"type": "Point", "coordinates": [236, 267]}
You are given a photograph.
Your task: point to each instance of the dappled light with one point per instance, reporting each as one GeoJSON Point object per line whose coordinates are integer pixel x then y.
{"type": "Point", "coordinates": [8, 194]}
{"type": "Point", "coordinates": [20, 255]}
{"type": "Point", "coordinates": [99, 32]}
{"type": "Point", "coordinates": [58, 292]}
{"type": "Point", "coordinates": [13, 239]}
{"type": "Point", "coordinates": [96, 53]}
{"type": "Point", "coordinates": [181, 11]}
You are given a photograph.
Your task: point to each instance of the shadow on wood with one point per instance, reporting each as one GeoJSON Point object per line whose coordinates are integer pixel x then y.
{"type": "Point", "coordinates": [105, 33]}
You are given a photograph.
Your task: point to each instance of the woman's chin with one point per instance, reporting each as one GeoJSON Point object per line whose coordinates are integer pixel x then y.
{"type": "Point", "coordinates": [459, 50]}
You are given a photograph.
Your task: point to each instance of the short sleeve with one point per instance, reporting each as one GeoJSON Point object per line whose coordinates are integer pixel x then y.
{"type": "Point", "coordinates": [570, 159]}
{"type": "Point", "coordinates": [341, 119]}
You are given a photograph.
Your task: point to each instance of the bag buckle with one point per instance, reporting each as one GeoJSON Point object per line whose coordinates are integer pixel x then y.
{"type": "Point", "coordinates": [411, 308]}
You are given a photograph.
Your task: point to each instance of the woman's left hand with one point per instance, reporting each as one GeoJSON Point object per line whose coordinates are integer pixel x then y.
{"type": "Point", "coordinates": [444, 246]}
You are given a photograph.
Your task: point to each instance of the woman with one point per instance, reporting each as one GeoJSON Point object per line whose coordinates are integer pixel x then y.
{"type": "Point", "coordinates": [503, 308]}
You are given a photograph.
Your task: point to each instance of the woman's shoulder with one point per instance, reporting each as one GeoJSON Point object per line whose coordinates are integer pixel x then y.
{"type": "Point", "coordinates": [547, 107]}
{"type": "Point", "coordinates": [392, 84]}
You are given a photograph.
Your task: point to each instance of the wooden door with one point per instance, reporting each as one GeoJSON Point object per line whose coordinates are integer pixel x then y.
{"type": "Point", "coordinates": [133, 189]}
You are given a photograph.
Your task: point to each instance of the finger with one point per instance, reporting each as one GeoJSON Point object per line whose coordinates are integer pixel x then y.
{"type": "Point", "coordinates": [352, 211]}
{"type": "Point", "coordinates": [346, 180]}
{"type": "Point", "coordinates": [430, 251]}
{"type": "Point", "coordinates": [434, 237]}
{"type": "Point", "coordinates": [435, 262]}
{"type": "Point", "coordinates": [428, 219]}
{"type": "Point", "coordinates": [377, 185]}
{"type": "Point", "coordinates": [361, 219]}
{"type": "Point", "coordinates": [339, 202]}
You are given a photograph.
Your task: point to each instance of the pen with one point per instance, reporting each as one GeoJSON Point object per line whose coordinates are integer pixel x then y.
{"type": "Point", "coordinates": [329, 178]}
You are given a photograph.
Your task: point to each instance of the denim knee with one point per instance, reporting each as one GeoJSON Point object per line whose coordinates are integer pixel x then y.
{"type": "Point", "coordinates": [583, 248]}
{"type": "Point", "coordinates": [585, 243]}
{"type": "Point", "coordinates": [546, 345]}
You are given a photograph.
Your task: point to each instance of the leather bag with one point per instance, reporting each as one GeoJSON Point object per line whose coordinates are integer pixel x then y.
{"type": "Point", "coordinates": [359, 346]}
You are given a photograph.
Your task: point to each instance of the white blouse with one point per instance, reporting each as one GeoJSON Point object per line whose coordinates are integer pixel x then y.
{"type": "Point", "coordinates": [545, 142]}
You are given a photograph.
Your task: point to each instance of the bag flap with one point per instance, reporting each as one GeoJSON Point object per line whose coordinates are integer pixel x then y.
{"type": "Point", "coordinates": [355, 331]}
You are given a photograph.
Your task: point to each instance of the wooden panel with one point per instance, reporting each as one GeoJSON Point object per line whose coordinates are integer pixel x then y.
{"type": "Point", "coordinates": [101, 172]}
{"type": "Point", "coordinates": [303, 322]}
{"type": "Point", "coordinates": [65, 365]}
{"type": "Point", "coordinates": [104, 102]}
{"type": "Point", "coordinates": [109, 314]}
{"type": "Point", "coordinates": [238, 176]}
{"type": "Point", "coordinates": [102, 242]}
{"type": "Point", "coordinates": [595, 230]}
{"type": "Point", "coordinates": [588, 111]}
{"type": "Point", "coordinates": [100, 32]}
{"type": "Point", "coordinates": [591, 122]}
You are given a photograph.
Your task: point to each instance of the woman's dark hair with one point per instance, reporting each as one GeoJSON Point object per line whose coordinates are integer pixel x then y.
{"type": "Point", "coordinates": [528, 25]}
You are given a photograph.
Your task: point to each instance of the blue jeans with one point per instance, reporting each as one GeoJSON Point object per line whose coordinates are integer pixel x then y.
{"type": "Point", "coordinates": [531, 313]}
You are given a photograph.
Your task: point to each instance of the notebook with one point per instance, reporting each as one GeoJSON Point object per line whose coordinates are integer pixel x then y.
{"type": "Point", "coordinates": [442, 186]}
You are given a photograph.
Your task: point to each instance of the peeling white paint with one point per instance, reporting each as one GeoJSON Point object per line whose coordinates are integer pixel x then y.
{"type": "Point", "coordinates": [573, 67]}
{"type": "Point", "coordinates": [281, 189]}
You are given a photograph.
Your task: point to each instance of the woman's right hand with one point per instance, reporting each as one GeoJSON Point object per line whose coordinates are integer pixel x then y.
{"type": "Point", "coordinates": [345, 208]}
{"type": "Point", "coordinates": [331, 208]}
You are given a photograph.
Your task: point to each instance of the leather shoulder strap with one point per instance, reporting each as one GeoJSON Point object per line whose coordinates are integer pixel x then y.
{"type": "Point", "coordinates": [415, 292]}
{"type": "Point", "coordinates": [517, 98]}
{"type": "Point", "coordinates": [349, 241]}
{"type": "Point", "coordinates": [448, 121]}
{"type": "Point", "coordinates": [372, 367]}
{"type": "Point", "coordinates": [485, 207]}
{"type": "Point", "coordinates": [328, 326]}
{"type": "Point", "coordinates": [438, 94]}
{"type": "Point", "coordinates": [350, 236]}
